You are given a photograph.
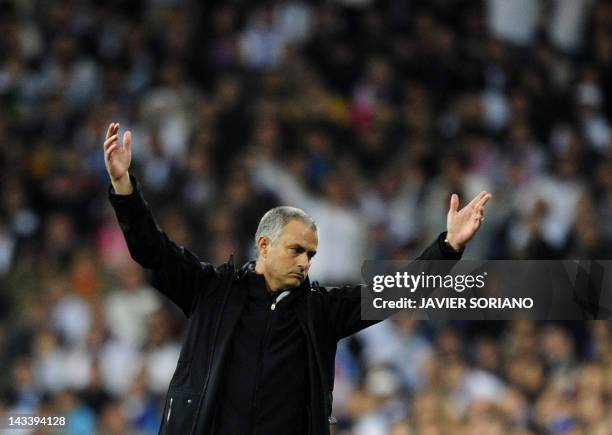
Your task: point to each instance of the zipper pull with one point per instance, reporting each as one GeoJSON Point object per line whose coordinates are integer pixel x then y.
{"type": "Point", "coordinates": [279, 298]}
{"type": "Point", "coordinates": [169, 410]}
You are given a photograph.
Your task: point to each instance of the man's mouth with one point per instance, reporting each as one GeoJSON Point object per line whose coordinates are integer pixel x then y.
{"type": "Point", "coordinates": [297, 275]}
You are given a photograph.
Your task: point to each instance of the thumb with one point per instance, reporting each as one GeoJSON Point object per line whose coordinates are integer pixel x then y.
{"type": "Point", "coordinates": [454, 202]}
{"type": "Point", "coordinates": [127, 140]}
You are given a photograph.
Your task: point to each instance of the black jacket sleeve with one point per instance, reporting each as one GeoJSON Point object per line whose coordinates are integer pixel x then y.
{"type": "Point", "coordinates": [177, 272]}
{"type": "Point", "coordinates": [344, 303]}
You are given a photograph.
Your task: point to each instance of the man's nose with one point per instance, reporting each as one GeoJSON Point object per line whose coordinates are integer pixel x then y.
{"type": "Point", "coordinates": [304, 261]}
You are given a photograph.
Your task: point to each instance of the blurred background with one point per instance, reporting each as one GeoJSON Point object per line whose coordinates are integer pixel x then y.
{"type": "Point", "coordinates": [366, 114]}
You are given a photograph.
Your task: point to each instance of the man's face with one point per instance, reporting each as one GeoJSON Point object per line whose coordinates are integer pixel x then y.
{"type": "Point", "coordinates": [286, 264]}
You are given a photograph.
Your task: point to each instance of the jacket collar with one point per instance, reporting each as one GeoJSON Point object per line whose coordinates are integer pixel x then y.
{"type": "Point", "coordinates": [249, 267]}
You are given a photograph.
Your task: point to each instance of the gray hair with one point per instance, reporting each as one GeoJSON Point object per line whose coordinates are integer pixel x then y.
{"type": "Point", "coordinates": [272, 223]}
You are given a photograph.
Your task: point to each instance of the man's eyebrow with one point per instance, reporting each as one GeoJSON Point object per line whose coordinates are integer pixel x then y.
{"type": "Point", "coordinates": [312, 252]}
{"type": "Point", "coordinates": [297, 245]}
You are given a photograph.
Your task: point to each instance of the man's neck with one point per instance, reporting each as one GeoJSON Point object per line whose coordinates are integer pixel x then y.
{"type": "Point", "coordinates": [260, 270]}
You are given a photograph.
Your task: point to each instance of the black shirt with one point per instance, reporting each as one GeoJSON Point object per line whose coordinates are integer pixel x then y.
{"type": "Point", "coordinates": [265, 386]}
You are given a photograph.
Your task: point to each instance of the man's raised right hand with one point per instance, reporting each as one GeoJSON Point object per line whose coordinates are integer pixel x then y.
{"type": "Point", "coordinates": [117, 158]}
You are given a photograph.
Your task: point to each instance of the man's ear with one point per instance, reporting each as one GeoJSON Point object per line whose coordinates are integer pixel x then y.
{"type": "Point", "coordinates": [262, 246]}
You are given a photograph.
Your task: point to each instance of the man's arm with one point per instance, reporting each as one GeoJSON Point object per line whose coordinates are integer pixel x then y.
{"type": "Point", "coordinates": [177, 272]}
{"type": "Point", "coordinates": [123, 186]}
{"type": "Point", "coordinates": [344, 303]}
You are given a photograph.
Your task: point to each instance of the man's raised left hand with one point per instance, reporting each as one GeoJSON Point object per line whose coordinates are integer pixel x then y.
{"type": "Point", "coordinates": [462, 225]}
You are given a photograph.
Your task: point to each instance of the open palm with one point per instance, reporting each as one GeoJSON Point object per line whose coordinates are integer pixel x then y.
{"type": "Point", "coordinates": [117, 156]}
{"type": "Point", "coordinates": [462, 225]}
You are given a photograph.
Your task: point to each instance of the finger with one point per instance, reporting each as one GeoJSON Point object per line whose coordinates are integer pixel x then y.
{"type": "Point", "coordinates": [109, 141]}
{"type": "Point", "coordinates": [109, 151]}
{"type": "Point", "coordinates": [454, 202]}
{"type": "Point", "coordinates": [110, 129]}
{"type": "Point", "coordinates": [484, 200]}
{"type": "Point", "coordinates": [127, 140]}
{"type": "Point", "coordinates": [477, 198]}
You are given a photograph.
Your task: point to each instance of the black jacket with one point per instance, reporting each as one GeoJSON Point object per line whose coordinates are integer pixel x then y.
{"type": "Point", "coordinates": [210, 298]}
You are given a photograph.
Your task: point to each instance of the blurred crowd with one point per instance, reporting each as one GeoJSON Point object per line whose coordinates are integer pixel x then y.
{"type": "Point", "coordinates": [368, 115]}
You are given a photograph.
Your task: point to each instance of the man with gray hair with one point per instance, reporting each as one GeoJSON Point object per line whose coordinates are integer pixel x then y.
{"type": "Point", "coordinates": [272, 223]}
{"type": "Point", "coordinates": [259, 353]}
